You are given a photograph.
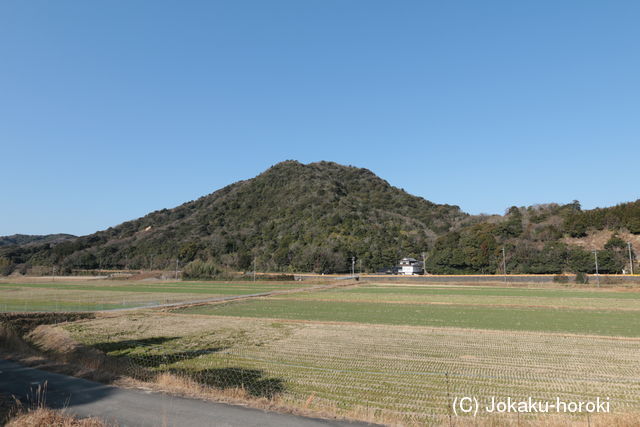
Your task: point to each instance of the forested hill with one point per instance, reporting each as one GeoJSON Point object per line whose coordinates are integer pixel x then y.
{"type": "Point", "coordinates": [542, 239]}
{"type": "Point", "coordinates": [293, 216]}
{"type": "Point", "coordinates": [315, 217]}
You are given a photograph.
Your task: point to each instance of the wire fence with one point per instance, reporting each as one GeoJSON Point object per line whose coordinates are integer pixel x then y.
{"type": "Point", "coordinates": [415, 384]}
{"type": "Point", "coordinates": [395, 374]}
{"type": "Point", "coordinates": [70, 297]}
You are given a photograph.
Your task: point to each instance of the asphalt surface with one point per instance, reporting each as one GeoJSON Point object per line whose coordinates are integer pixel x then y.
{"type": "Point", "coordinates": [136, 407]}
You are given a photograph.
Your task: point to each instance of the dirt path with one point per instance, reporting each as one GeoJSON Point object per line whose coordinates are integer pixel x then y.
{"type": "Point", "coordinates": [212, 300]}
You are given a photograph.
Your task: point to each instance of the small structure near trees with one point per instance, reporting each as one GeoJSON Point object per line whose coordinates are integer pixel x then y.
{"type": "Point", "coordinates": [411, 266]}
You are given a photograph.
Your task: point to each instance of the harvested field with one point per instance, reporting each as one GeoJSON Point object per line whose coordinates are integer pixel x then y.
{"type": "Point", "coordinates": [402, 371]}
{"type": "Point", "coordinates": [104, 295]}
{"type": "Point", "coordinates": [386, 353]}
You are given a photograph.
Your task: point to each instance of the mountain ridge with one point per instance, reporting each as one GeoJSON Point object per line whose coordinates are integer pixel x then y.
{"type": "Point", "coordinates": [316, 216]}
{"type": "Point", "coordinates": [24, 239]}
{"type": "Point", "coordinates": [292, 215]}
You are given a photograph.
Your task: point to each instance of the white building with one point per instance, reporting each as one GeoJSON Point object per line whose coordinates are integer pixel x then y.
{"type": "Point", "coordinates": [410, 266]}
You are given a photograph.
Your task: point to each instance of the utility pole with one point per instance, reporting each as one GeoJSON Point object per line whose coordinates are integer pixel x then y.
{"type": "Point", "coordinates": [353, 266]}
{"type": "Point", "coordinates": [595, 254]}
{"type": "Point", "coordinates": [424, 263]}
{"type": "Point", "coordinates": [630, 257]}
{"type": "Point", "coordinates": [254, 269]}
{"type": "Point", "coordinates": [504, 263]}
{"type": "Point", "coordinates": [176, 268]}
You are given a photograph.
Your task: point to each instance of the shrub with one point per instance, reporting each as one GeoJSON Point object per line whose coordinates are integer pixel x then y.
{"type": "Point", "coordinates": [201, 270]}
{"type": "Point", "coordinates": [279, 277]}
{"type": "Point", "coordinates": [264, 278]}
{"type": "Point", "coordinates": [582, 278]}
{"type": "Point", "coordinates": [6, 266]}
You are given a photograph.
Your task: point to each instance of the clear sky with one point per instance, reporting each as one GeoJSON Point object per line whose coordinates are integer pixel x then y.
{"type": "Point", "coordinates": [112, 109]}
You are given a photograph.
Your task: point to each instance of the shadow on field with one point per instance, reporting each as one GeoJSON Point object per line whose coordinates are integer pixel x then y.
{"type": "Point", "coordinates": [129, 349]}
{"type": "Point", "coordinates": [253, 381]}
{"type": "Point", "coordinates": [117, 346]}
{"type": "Point", "coordinates": [157, 360]}
{"type": "Point", "coordinates": [150, 362]}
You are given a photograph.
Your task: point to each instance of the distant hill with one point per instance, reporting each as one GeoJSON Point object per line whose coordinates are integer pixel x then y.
{"type": "Point", "coordinates": [293, 216]}
{"type": "Point", "coordinates": [548, 238]}
{"type": "Point", "coordinates": [23, 239]}
{"type": "Point", "coordinates": [315, 217]}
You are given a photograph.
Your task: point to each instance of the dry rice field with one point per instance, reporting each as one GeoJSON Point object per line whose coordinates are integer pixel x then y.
{"type": "Point", "coordinates": [399, 353]}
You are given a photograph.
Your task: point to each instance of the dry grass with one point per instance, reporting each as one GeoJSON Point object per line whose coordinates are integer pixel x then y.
{"type": "Point", "coordinates": [326, 374]}
{"type": "Point", "coordinates": [597, 239]}
{"type": "Point", "coordinates": [7, 407]}
{"type": "Point", "coordinates": [11, 341]}
{"type": "Point", "coordinates": [31, 297]}
{"type": "Point", "coordinates": [600, 420]}
{"type": "Point", "coordinates": [529, 362]}
{"type": "Point", "coordinates": [44, 417]}
{"type": "Point", "coordinates": [186, 387]}
{"type": "Point", "coordinates": [67, 295]}
{"type": "Point", "coordinates": [14, 413]}
{"type": "Point", "coordinates": [51, 348]}
{"type": "Point", "coordinates": [310, 406]}
{"type": "Point", "coordinates": [19, 278]}
{"type": "Point", "coordinates": [22, 323]}
{"type": "Point", "coordinates": [76, 359]}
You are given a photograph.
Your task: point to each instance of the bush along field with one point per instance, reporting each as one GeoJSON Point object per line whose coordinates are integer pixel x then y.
{"type": "Point", "coordinates": [390, 353]}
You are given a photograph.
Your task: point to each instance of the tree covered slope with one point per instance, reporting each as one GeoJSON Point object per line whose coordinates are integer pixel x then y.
{"type": "Point", "coordinates": [24, 239]}
{"type": "Point", "coordinates": [541, 239]}
{"type": "Point", "coordinates": [293, 216]}
{"type": "Point", "coordinates": [315, 217]}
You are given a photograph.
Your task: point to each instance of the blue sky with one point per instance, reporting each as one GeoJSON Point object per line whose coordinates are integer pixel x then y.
{"type": "Point", "coordinates": [109, 110]}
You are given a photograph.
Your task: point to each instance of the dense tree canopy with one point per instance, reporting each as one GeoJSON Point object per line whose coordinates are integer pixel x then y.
{"type": "Point", "coordinates": [315, 217]}
{"type": "Point", "coordinates": [298, 217]}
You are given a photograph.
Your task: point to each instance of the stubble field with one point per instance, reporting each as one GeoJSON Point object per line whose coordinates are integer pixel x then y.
{"type": "Point", "coordinates": [397, 352]}
{"type": "Point", "coordinates": [91, 295]}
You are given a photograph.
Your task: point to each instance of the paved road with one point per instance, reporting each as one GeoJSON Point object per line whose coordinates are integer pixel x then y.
{"type": "Point", "coordinates": [138, 408]}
